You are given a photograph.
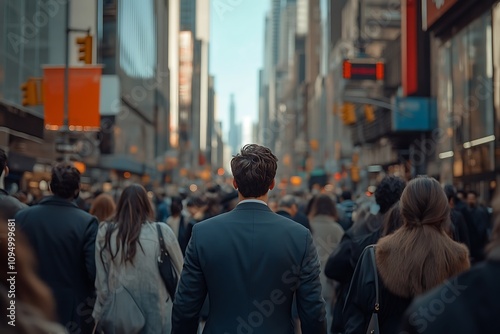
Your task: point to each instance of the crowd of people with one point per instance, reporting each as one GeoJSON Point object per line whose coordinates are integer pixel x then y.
{"type": "Point", "coordinates": [413, 257]}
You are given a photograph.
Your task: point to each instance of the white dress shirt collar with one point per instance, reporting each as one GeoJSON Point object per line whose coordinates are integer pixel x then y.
{"type": "Point", "coordinates": [252, 201]}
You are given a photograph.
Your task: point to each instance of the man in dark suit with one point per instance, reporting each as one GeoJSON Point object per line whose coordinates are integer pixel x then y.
{"type": "Point", "coordinates": [63, 238]}
{"type": "Point", "coordinates": [251, 262]}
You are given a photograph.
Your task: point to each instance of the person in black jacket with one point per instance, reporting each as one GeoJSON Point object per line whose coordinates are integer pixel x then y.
{"type": "Point", "coordinates": [415, 258]}
{"type": "Point", "coordinates": [460, 232]}
{"type": "Point", "coordinates": [341, 263]}
{"type": "Point", "coordinates": [9, 205]}
{"type": "Point", "coordinates": [465, 304]}
{"type": "Point", "coordinates": [63, 238]}
{"type": "Point", "coordinates": [476, 242]}
{"type": "Point", "coordinates": [479, 228]}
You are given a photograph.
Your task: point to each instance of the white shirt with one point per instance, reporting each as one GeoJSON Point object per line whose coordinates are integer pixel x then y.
{"type": "Point", "coordinates": [252, 201]}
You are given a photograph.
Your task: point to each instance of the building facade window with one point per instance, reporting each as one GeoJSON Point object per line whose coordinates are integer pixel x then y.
{"type": "Point", "coordinates": [466, 96]}
{"type": "Point", "coordinates": [108, 37]}
{"type": "Point", "coordinates": [496, 71]}
{"type": "Point", "coordinates": [27, 29]}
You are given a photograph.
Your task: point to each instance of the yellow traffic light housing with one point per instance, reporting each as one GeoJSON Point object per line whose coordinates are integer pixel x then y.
{"type": "Point", "coordinates": [29, 90]}
{"type": "Point", "coordinates": [314, 143]}
{"type": "Point", "coordinates": [348, 113]}
{"type": "Point", "coordinates": [355, 174]}
{"type": "Point", "coordinates": [369, 113]}
{"type": "Point", "coordinates": [85, 49]}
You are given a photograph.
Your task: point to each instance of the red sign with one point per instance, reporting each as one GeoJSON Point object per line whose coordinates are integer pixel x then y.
{"type": "Point", "coordinates": [409, 46]}
{"type": "Point", "coordinates": [363, 71]}
{"type": "Point", "coordinates": [435, 9]}
{"type": "Point", "coordinates": [83, 97]}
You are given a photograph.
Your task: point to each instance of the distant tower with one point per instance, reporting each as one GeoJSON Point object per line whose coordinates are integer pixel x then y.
{"type": "Point", "coordinates": [234, 135]}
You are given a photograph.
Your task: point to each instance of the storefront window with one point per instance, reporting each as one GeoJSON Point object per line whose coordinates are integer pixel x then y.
{"type": "Point", "coordinates": [481, 81]}
{"type": "Point", "coordinates": [445, 107]}
{"type": "Point", "coordinates": [496, 65]}
{"type": "Point", "coordinates": [470, 53]}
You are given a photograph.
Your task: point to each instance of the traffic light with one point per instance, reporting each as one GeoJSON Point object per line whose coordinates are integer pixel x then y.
{"type": "Point", "coordinates": [29, 93]}
{"type": "Point", "coordinates": [348, 113]}
{"type": "Point", "coordinates": [85, 49]}
{"type": "Point", "coordinates": [314, 143]}
{"type": "Point", "coordinates": [355, 175]}
{"type": "Point", "coordinates": [369, 113]}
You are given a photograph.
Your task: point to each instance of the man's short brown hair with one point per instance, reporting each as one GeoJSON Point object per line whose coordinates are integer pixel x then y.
{"type": "Point", "coordinates": [65, 181]}
{"type": "Point", "coordinates": [254, 169]}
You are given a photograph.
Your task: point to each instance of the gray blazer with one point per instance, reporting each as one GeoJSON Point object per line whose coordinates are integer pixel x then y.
{"type": "Point", "coordinates": [142, 279]}
{"type": "Point", "coordinates": [251, 262]}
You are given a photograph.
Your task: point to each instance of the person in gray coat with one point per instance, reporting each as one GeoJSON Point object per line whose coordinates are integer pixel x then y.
{"type": "Point", "coordinates": [326, 233]}
{"type": "Point", "coordinates": [126, 255]}
{"type": "Point", "coordinates": [251, 262]}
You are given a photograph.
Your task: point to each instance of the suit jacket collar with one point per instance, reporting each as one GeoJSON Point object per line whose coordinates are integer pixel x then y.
{"type": "Point", "coordinates": [252, 206]}
{"type": "Point", "coordinates": [56, 200]}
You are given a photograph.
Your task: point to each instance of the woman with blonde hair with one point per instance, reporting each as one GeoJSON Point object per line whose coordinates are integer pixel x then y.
{"type": "Point", "coordinates": [127, 253]}
{"type": "Point", "coordinates": [103, 207]}
{"type": "Point", "coordinates": [414, 259]}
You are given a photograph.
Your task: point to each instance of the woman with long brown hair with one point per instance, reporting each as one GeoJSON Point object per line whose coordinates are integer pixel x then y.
{"type": "Point", "coordinates": [127, 251]}
{"type": "Point", "coordinates": [414, 259]}
{"type": "Point", "coordinates": [466, 304]}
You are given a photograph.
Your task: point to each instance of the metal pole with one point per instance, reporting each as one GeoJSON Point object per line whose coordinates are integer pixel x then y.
{"type": "Point", "coordinates": [65, 127]}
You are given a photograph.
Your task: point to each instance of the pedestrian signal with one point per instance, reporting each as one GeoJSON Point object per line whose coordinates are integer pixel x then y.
{"type": "Point", "coordinates": [85, 49]}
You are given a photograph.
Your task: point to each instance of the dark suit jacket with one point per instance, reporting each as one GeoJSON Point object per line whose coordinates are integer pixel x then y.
{"type": "Point", "coordinates": [467, 303]}
{"type": "Point", "coordinates": [63, 239]}
{"type": "Point", "coordinates": [251, 262]}
{"type": "Point", "coordinates": [9, 205]}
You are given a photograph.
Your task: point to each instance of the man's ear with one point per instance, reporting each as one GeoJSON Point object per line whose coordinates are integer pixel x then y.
{"type": "Point", "coordinates": [271, 187]}
{"type": "Point", "coordinates": [235, 185]}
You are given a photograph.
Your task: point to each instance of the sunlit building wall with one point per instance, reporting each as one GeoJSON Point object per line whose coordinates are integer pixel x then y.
{"type": "Point", "coordinates": [173, 65]}
{"type": "Point", "coordinates": [195, 17]}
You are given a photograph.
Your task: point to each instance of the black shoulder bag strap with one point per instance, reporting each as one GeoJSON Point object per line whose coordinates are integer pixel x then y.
{"type": "Point", "coordinates": [373, 327]}
{"type": "Point", "coordinates": [375, 272]}
{"type": "Point", "coordinates": [163, 248]}
{"type": "Point", "coordinates": [167, 271]}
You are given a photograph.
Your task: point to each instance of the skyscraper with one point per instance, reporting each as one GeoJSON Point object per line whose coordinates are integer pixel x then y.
{"type": "Point", "coordinates": [234, 129]}
{"type": "Point", "coordinates": [195, 18]}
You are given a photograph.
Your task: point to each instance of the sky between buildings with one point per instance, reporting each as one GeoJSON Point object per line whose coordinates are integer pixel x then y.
{"type": "Point", "coordinates": [236, 55]}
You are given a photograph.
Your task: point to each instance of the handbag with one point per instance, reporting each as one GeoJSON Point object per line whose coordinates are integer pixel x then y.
{"type": "Point", "coordinates": [122, 315]}
{"type": "Point", "coordinates": [167, 271]}
{"type": "Point", "coordinates": [373, 327]}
